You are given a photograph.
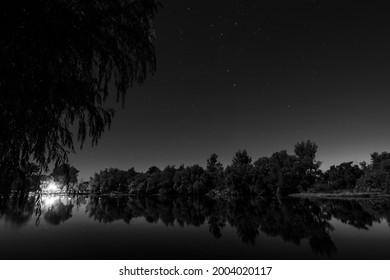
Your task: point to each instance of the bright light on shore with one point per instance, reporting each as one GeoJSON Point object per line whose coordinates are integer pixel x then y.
{"type": "Point", "coordinates": [50, 187]}
{"type": "Point", "coordinates": [53, 187]}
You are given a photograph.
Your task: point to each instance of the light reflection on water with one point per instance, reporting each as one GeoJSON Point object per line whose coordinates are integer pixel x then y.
{"type": "Point", "coordinates": [193, 228]}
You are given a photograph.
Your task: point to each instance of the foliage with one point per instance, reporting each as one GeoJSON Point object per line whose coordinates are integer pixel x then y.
{"type": "Point", "coordinates": [65, 174]}
{"type": "Point", "coordinates": [215, 172]}
{"type": "Point", "coordinates": [280, 174]}
{"type": "Point", "coordinates": [263, 180]}
{"type": "Point", "coordinates": [343, 176]}
{"type": "Point", "coordinates": [25, 178]}
{"type": "Point", "coordinates": [319, 188]}
{"type": "Point", "coordinates": [268, 176]}
{"type": "Point", "coordinates": [283, 174]}
{"type": "Point", "coordinates": [59, 61]}
{"type": "Point", "coordinates": [165, 185]}
{"type": "Point", "coordinates": [376, 175]}
{"type": "Point", "coordinates": [239, 175]}
{"type": "Point", "coordinates": [380, 161]}
{"type": "Point", "coordinates": [307, 167]}
{"type": "Point", "coordinates": [191, 180]}
{"type": "Point", "coordinates": [138, 184]}
{"type": "Point", "coordinates": [111, 180]}
{"type": "Point", "coordinates": [277, 174]}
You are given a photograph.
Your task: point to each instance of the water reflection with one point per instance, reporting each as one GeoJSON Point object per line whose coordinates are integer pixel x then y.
{"type": "Point", "coordinates": [56, 209]}
{"type": "Point", "coordinates": [292, 220]}
{"type": "Point", "coordinates": [17, 209]}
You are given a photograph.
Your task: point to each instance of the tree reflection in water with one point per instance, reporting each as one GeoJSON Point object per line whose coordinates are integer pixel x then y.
{"type": "Point", "coordinates": [57, 209]}
{"type": "Point", "coordinates": [19, 208]}
{"type": "Point", "coordinates": [294, 220]}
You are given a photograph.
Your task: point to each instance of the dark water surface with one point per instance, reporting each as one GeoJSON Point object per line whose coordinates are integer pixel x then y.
{"type": "Point", "coordinates": [104, 227]}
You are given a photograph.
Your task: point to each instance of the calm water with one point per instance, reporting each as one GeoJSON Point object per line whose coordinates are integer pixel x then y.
{"type": "Point", "coordinates": [193, 228]}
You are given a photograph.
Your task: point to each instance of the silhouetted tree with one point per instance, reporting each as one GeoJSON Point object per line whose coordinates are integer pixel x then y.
{"type": "Point", "coordinates": [278, 175]}
{"type": "Point", "coordinates": [65, 174]}
{"type": "Point", "coordinates": [131, 173]}
{"type": "Point", "coordinates": [110, 180]}
{"type": "Point", "coordinates": [307, 167]}
{"type": "Point", "coordinates": [25, 178]}
{"type": "Point", "coordinates": [153, 180]}
{"type": "Point", "coordinates": [343, 176]}
{"type": "Point", "coordinates": [213, 165]}
{"type": "Point", "coordinates": [376, 175]}
{"type": "Point", "coordinates": [57, 60]}
{"type": "Point", "coordinates": [239, 175]}
{"type": "Point", "coordinates": [139, 184]}
{"type": "Point", "coordinates": [378, 160]}
{"type": "Point", "coordinates": [165, 185]}
{"type": "Point", "coordinates": [214, 171]}
{"type": "Point", "coordinates": [191, 180]}
{"type": "Point", "coordinates": [283, 173]}
{"type": "Point", "coordinates": [262, 177]}
{"type": "Point", "coordinates": [153, 169]}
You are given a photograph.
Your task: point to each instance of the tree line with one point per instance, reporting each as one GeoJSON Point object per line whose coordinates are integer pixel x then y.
{"type": "Point", "coordinates": [278, 175]}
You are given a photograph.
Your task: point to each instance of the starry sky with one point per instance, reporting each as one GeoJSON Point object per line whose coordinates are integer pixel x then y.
{"type": "Point", "coordinates": [255, 75]}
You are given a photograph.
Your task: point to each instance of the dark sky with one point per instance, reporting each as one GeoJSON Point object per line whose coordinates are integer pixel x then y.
{"type": "Point", "coordinates": [255, 75]}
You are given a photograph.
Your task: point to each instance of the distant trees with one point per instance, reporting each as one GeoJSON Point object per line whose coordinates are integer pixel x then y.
{"type": "Point", "coordinates": [166, 183]}
{"type": "Point", "coordinates": [153, 180]}
{"type": "Point", "coordinates": [368, 177]}
{"type": "Point", "coordinates": [376, 176]}
{"type": "Point", "coordinates": [306, 166]}
{"type": "Point", "coordinates": [239, 175]}
{"type": "Point", "coordinates": [240, 178]}
{"type": "Point", "coordinates": [215, 173]}
{"type": "Point", "coordinates": [280, 174]}
{"type": "Point", "coordinates": [65, 174]}
{"type": "Point", "coordinates": [191, 180]}
{"type": "Point", "coordinates": [138, 184]}
{"type": "Point", "coordinates": [111, 180]}
{"type": "Point", "coordinates": [343, 176]}
{"type": "Point", "coordinates": [380, 161]}
{"type": "Point", "coordinates": [57, 59]}
{"type": "Point", "coordinates": [263, 176]}
{"type": "Point", "coordinates": [283, 174]}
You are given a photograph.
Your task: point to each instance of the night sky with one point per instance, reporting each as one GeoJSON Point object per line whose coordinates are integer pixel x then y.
{"type": "Point", "coordinates": [255, 75]}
